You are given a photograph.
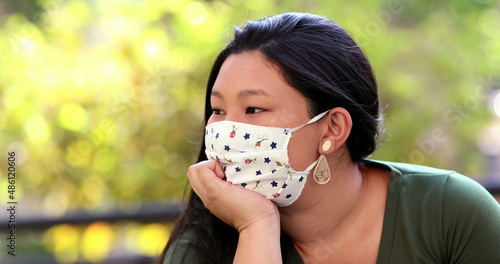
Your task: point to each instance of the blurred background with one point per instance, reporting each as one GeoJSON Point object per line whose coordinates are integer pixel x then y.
{"type": "Point", "coordinates": [102, 102]}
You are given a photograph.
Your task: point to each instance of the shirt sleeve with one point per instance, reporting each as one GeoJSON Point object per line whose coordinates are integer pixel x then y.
{"type": "Point", "coordinates": [191, 247]}
{"type": "Point", "coordinates": [471, 221]}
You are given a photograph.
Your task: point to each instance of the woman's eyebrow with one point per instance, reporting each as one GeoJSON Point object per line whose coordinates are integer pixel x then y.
{"type": "Point", "coordinates": [244, 93]}
{"type": "Point", "coordinates": [216, 94]}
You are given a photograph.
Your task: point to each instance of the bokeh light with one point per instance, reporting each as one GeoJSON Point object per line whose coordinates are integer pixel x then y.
{"type": "Point", "coordinates": [96, 241]}
{"type": "Point", "coordinates": [63, 240]}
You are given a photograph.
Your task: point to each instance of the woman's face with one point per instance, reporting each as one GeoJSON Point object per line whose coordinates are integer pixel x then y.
{"type": "Point", "coordinates": [250, 89]}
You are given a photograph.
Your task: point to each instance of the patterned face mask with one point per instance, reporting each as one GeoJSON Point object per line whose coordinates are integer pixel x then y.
{"type": "Point", "coordinates": [256, 158]}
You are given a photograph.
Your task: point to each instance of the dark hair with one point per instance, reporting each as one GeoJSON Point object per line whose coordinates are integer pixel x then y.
{"type": "Point", "coordinates": [319, 59]}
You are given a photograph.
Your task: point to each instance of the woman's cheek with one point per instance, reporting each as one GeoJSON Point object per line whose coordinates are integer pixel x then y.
{"type": "Point", "coordinates": [302, 148]}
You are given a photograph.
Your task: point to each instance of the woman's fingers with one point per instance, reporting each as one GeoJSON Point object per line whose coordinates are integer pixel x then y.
{"type": "Point", "coordinates": [219, 171]}
{"type": "Point", "coordinates": [204, 179]}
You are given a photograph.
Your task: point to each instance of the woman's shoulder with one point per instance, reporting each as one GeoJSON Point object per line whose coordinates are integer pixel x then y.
{"type": "Point", "coordinates": [408, 169]}
{"type": "Point", "coordinates": [445, 196]}
{"type": "Point", "coordinates": [454, 218]}
{"type": "Point", "coordinates": [422, 181]}
{"type": "Point", "coordinates": [445, 182]}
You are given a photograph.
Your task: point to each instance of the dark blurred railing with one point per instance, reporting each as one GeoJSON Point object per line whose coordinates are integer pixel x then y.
{"type": "Point", "coordinates": [146, 214]}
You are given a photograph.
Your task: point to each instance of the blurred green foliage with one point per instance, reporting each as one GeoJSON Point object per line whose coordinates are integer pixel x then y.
{"type": "Point", "coordinates": [103, 100]}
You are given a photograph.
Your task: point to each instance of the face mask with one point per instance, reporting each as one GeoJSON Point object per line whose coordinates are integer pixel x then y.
{"type": "Point", "coordinates": [256, 158]}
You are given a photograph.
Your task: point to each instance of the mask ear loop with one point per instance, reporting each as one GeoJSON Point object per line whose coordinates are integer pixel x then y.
{"type": "Point", "coordinates": [308, 169]}
{"type": "Point", "coordinates": [314, 119]}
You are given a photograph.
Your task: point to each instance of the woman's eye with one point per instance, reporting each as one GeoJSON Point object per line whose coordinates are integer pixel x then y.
{"type": "Point", "coordinates": [218, 112]}
{"type": "Point", "coordinates": [253, 110]}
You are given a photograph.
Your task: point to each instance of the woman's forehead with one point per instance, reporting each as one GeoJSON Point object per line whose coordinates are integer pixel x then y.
{"type": "Point", "coordinates": [250, 73]}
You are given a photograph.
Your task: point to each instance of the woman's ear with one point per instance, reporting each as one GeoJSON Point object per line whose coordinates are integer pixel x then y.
{"type": "Point", "coordinates": [337, 125]}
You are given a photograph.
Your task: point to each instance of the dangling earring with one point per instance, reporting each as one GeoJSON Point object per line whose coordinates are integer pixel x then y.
{"type": "Point", "coordinates": [322, 171]}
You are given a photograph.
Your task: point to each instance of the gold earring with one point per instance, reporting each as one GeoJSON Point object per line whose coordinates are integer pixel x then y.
{"type": "Point", "coordinates": [326, 146]}
{"type": "Point", "coordinates": [321, 173]}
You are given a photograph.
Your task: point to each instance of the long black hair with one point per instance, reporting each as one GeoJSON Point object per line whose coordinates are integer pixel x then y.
{"type": "Point", "coordinates": [319, 59]}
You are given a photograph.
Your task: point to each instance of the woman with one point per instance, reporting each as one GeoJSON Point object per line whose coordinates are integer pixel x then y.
{"type": "Point", "coordinates": [292, 112]}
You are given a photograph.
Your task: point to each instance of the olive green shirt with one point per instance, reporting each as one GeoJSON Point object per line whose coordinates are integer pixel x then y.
{"type": "Point", "coordinates": [431, 216]}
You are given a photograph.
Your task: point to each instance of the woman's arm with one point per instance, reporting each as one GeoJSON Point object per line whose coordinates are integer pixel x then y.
{"type": "Point", "coordinates": [255, 217]}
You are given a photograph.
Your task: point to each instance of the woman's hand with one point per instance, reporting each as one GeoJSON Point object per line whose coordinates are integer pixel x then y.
{"type": "Point", "coordinates": [236, 206]}
{"type": "Point", "coordinates": [255, 217]}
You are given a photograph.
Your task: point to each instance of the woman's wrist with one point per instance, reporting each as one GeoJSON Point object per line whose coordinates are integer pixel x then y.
{"type": "Point", "coordinates": [269, 226]}
{"type": "Point", "coordinates": [268, 220]}
{"type": "Point", "coordinates": [262, 237]}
